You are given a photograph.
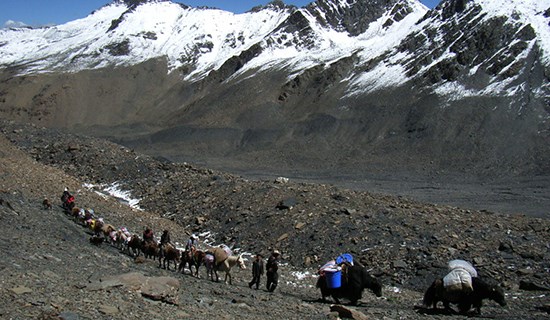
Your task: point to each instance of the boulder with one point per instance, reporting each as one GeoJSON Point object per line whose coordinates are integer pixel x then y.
{"type": "Point", "coordinates": [287, 204]}
{"type": "Point", "coordinates": [165, 289]}
{"type": "Point", "coordinates": [532, 286]}
{"type": "Point", "coordinates": [348, 313]}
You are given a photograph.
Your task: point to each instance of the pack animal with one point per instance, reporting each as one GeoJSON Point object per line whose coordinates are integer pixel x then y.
{"type": "Point", "coordinates": [134, 245]}
{"type": "Point", "coordinates": [121, 239]}
{"type": "Point", "coordinates": [170, 253]}
{"type": "Point", "coordinates": [97, 226]}
{"type": "Point", "coordinates": [109, 233]}
{"type": "Point", "coordinates": [224, 266]}
{"type": "Point", "coordinates": [355, 279]}
{"type": "Point", "coordinates": [76, 214]}
{"type": "Point", "coordinates": [481, 290]}
{"type": "Point", "coordinates": [150, 249]}
{"type": "Point", "coordinates": [193, 259]}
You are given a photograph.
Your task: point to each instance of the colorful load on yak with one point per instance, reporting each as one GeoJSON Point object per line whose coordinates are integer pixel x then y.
{"type": "Point", "coordinates": [332, 270]}
{"type": "Point", "coordinates": [344, 258]}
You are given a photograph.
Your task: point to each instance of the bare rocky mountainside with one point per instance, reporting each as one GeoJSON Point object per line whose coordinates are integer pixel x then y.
{"type": "Point", "coordinates": [50, 269]}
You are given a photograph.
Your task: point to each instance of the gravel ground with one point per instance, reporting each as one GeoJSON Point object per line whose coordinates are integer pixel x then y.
{"type": "Point", "coordinates": [50, 269]}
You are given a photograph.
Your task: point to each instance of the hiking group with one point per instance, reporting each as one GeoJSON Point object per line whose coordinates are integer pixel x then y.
{"type": "Point", "coordinates": [218, 258]}
{"type": "Point", "coordinates": [342, 277]}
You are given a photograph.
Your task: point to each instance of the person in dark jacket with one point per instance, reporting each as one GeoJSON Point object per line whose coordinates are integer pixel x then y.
{"type": "Point", "coordinates": [272, 267]}
{"type": "Point", "coordinates": [257, 271]}
{"type": "Point", "coordinates": [164, 240]}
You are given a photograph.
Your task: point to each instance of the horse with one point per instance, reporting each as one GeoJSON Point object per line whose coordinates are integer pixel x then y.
{"type": "Point", "coordinates": [193, 258]}
{"type": "Point", "coordinates": [109, 233]}
{"type": "Point", "coordinates": [83, 216]}
{"type": "Point", "coordinates": [77, 214]}
{"type": "Point", "coordinates": [481, 290]}
{"type": "Point", "coordinates": [167, 254]}
{"type": "Point", "coordinates": [354, 280]}
{"type": "Point", "coordinates": [225, 266]}
{"type": "Point", "coordinates": [150, 249]}
{"type": "Point", "coordinates": [122, 238]}
{"type": "Point", "coordinates": [97, 226]}
{"type": "Point", "coordinates": [134, 245]}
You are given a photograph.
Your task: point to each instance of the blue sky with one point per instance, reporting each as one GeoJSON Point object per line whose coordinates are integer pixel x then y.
{"type": "Point", "coordinates": [43, 12]}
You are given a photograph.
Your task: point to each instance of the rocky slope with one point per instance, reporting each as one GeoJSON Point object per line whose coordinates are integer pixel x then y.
{"type": "Point", "coordinates": [50, 268]}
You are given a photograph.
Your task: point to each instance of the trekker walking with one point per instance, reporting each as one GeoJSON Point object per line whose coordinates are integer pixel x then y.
{"type": "Point", "coordinates": [257, 271]}
{"type": "Point", "coordinates": [272, 267]}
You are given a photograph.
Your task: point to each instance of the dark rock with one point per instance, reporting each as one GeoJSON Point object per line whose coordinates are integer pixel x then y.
{"type": "Point", "coordinates": [506, 247]}
{"type": "Point", "coordinates": [287, 204]}
{"type": "Point", "coordinates": [531, 255]}
{"type": "Point", "coordinates": [545, 308]}
{"type": "Point", "coordinates": [532, 286]}
{"type": "Point", "coordinates": [525, 272]}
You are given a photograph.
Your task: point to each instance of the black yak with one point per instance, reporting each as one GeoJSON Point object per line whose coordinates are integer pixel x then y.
{"type": "Point", "coordinates": [465, 300]}
{"type": "Point", "coordinates": [354, 280]}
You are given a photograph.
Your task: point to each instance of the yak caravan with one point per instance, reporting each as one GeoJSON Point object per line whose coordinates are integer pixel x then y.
{"type": "Point", "coordinates": [340, 278]}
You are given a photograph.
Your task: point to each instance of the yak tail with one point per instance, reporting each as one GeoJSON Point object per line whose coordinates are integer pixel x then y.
{"type": "Point", "coordinates": [320, 281]}
{"type": "Point", "coordinates": [429, 296]}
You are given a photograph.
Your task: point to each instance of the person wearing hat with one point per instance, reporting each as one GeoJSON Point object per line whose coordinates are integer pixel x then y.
{"type": "Point", "coordinates": [164, 240]}
{"type": "Point", "coordinates": [257, 271]}
{"type": "Point", "coordinates": [191, 245]}
{"type": "Point", "coordinates": [272, 267]}
{"type": "Point", "coordinates": [67, 200]}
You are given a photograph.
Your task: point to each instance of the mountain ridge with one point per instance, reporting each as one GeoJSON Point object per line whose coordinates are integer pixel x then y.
{"type": "Point", "coordinates": [461, 89]}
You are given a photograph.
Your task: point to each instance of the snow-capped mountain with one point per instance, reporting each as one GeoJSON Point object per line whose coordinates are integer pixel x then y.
{"type": "Point", "coordinates": [366, 77]}
{"type": "Point", "coordinates": [203, 39]}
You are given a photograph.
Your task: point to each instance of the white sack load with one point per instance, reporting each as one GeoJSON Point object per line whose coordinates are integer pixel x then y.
{"type": "Point", "coordinates": [461, 264]}
{"type": "Point", "coordinates": [458, 280]}
{"type": "Point", "coordinates": [460, 276]}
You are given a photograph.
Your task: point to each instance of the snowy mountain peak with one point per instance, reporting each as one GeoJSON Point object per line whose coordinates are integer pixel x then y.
{"type": "Point", "coordinates": [460, 40]}
{"type": "Point", "coordinates": [396, 40]}
{"type": "Point", "coordinates": [355, 16]}
{"type": "Point", "coordinates": [273, 5]}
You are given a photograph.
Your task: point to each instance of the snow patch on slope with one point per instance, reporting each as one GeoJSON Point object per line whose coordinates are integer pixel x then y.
{"type": "Point", "coordinates": [525, 12]}
{"type": "Point", "coordinates": [375, 42]}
